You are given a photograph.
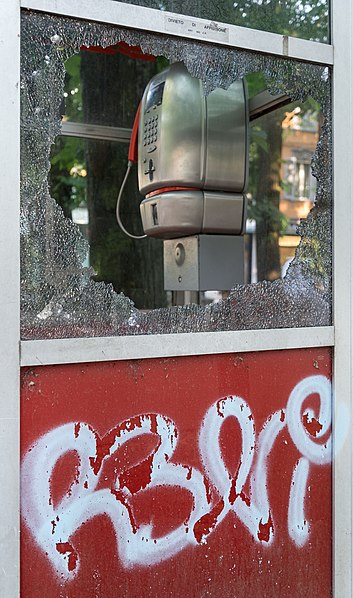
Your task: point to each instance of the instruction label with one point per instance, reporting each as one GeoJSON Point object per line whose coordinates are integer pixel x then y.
{"type": "Point", "coordinates": [201, 29]}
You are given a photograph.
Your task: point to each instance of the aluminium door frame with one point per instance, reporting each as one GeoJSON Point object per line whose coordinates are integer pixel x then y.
{"type": "Point", "coordinates": [340, 53]}
{"type": "Point", "coordinates": [9, 297]}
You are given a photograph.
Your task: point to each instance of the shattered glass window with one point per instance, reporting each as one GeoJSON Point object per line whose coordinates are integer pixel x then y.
{"type": "Point", "coordinates": [306, 19]}
{"type": "Point", "coordinates": [133, 267]}
{"type": "Point", "coordinates": [81, 84]}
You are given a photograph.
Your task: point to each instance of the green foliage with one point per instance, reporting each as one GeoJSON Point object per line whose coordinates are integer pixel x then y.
{"type": "Point", "coordinates": [268, 216]}
{"type": "Point", "coordinates": [258, 140]}
{"type": "Point", "coordinates": [256, 83]}
{"type": "Point", "coordinates": [67, 176]}
{"type": "Point", "coordinates": [308, 20]}
{"type": "Point", "coordinates": [73, 89]}
{"type": "Point", "coordinates": [68, 173]}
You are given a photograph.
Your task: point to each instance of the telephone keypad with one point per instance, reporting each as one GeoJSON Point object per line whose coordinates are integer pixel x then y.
{"type": "Point", "coordinates": [150, 132]}
{"type": "Point", "coordinates": [149, 140]}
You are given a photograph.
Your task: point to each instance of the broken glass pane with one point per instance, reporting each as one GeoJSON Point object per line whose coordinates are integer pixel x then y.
{"type": "Point", "coordinates": [308, 19]}
{"type": "Point", "coordinates": [62, 295]}
{"type": "Point", "coordinates": [281, 185]}
{"type": "Point", "coordinates": [83, 174]}
{"type": "Point", "coordinates": [93, 94]}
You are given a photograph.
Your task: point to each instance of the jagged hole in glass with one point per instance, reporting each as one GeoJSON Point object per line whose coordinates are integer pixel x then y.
{"type": "Point", "coordinates": [59, 298]}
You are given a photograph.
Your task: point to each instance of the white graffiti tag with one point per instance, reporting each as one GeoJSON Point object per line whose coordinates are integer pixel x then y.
{"type": "Point", "coordinates": [54, 525]}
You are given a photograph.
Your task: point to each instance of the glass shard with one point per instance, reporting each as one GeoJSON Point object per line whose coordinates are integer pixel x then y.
{"type": "Point", "coordinates": [60, 297]}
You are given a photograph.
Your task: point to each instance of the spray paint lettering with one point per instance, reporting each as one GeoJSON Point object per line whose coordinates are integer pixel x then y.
{"type": "Point", "coordinates": [54, 525]}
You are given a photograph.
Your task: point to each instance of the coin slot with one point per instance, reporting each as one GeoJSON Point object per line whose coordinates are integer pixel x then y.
{"type": "Point", "coordinates": [154, 214]}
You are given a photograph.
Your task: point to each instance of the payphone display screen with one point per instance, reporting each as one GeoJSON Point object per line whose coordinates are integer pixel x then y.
{"type": "Point", "coordinates": [155, 95]}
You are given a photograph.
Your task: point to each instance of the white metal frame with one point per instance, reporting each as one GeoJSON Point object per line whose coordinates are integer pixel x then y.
{"type": "Point", "coordinates": [78, 350]}
{"type": "Point", "coordinates": [83, 350]}
{"type": "Point", "coordinates": [342, 35]}
{"type": "Point", "coordinates": [148, 19]}
{"type": "Point", "coordinates": [9, 298]}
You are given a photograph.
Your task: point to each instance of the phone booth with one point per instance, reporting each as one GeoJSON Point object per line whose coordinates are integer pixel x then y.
{"type": "Point", "coordinates": [177, 328]}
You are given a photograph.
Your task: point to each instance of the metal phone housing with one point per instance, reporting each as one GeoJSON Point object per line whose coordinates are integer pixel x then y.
{"type": "Point", "coordinates": [193, 156]}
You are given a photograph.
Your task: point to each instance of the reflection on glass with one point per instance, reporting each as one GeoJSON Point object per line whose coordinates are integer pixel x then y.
{"type": "Point", "coordinates": [281, 187]}
{"type": "Point", "coordinates": [95, 84]}
{"type": "Point", "coordinates": [308, 19]}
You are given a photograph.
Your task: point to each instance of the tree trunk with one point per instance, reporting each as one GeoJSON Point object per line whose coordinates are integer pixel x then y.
{"type": "Point", "coordinates": [112, 88]}
{"type": "Point", "coordinates": [267, 197]}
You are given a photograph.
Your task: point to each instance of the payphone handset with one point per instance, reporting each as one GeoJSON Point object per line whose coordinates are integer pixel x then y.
{"type": "Point", "coordinates": [192, 156]}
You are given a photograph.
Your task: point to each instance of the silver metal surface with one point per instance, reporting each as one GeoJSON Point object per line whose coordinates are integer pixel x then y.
{"type": "Point", "coordinates": [181, 276]}
{"type": "Point", "coordinates": [88, 131]}
{"type": "Point", "coordinates": [223, 213]}
{"type": "Point", "coordinates": [209, 262]}
{"type": "Point", "coordinates": [264, 102]}
{"type": "Point", "coordinates": [172, 133]}
{"type": "Point", "coordinates": [173, 214]}
{"type": "Point", "coordinates": [189, 140]}
{"type": "Point", "coordinates": [221, 262]}
{"type": "Point", "coordinates": [226, 151]}
{"type": "Point", "coordinates": [182, 213]}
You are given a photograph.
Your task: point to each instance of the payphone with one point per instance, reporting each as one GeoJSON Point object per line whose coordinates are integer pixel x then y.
{"type": "Point", "coordinates": [192, 155]}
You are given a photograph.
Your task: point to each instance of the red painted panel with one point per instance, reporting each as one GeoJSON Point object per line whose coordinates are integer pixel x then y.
{"type": "Point", "coordinates": [193, 476]}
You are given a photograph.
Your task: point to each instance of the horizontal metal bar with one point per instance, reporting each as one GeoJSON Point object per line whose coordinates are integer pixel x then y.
{"type": "Point", "coordinates": [88, 131]}
{"type": "Point", "coordinates": [264, 102]}
{"type": "Point", "coordinates": [149, 19]}
{"type": "Point", "coordinates": [259, 105]}
{"type": "Point", "coordinates": [83, 350]}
